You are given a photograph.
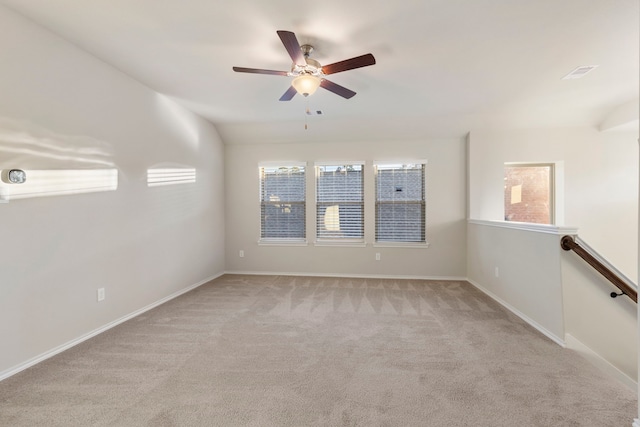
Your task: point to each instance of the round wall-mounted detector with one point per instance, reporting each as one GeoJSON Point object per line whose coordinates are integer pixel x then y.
{"type": "Point", "coordinates": [17, 176]}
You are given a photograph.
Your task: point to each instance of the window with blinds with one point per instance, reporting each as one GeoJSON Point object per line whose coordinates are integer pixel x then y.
{"type": "Point", "coordinates": [282, 199]}
{"type": "Point", "coordinates": [400, 203]}
{"type": "Point", "coordinates": [339, 202]}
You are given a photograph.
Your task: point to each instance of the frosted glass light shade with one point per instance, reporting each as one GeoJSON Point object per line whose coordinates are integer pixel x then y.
{"type": "Point", "coordinates": [306, 84]}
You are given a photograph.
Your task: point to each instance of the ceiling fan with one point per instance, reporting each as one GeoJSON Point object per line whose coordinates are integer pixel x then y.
{"type": "Point", "coordinates": [308, 73]}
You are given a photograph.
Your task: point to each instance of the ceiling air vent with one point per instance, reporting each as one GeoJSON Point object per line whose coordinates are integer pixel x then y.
{"type": "Point", "coordinates": [579, 72]}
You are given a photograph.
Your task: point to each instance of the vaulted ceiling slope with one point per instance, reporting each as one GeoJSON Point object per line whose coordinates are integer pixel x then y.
{"type": "Point", "coordinates": [443, 66]}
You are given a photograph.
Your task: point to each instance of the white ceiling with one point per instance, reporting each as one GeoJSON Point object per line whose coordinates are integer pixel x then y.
{"type": "Point", "coordinates": [443, 66]}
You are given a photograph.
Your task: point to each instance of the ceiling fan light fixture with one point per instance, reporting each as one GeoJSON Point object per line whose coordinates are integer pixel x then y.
{"type": "Point", "coordinates": [307, 73]}
{"type": "Point", "coordinates": [306, 84]}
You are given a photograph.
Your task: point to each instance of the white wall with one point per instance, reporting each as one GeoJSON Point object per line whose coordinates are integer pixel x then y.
{"type": "Point", "coordinates": [600, 182]}
{"type": "Point", "coordinates": [607, 326]}
{"type": "Point", "coordinates": [61, 108]}
{"type": "Point", "coordinates": [555, 291]}
{"type": "Point", "coordinates": [521, 269]}
{"type": "Point", "coordinates": [446, 226]}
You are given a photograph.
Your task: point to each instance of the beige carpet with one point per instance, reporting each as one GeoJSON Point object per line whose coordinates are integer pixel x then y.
{"type": "Point", "coordinates": [301, 351]}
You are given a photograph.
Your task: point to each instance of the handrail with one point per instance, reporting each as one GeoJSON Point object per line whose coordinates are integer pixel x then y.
{"type": "Point", "coordinates": [568, 243]}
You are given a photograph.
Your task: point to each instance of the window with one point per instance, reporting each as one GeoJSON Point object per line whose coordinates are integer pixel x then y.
{"type": "Point", "coordinates": [282, 199]}
{"type": "Point", "coordinates": [400, 203]}
{"type": "Point", "coordinates": [528, 193]}
{"type": "Point", "coordinates": [340, 202]}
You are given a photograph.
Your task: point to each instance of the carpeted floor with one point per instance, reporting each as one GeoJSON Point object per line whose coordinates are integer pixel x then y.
{"type": "Point", "coordinates": [307, 351]}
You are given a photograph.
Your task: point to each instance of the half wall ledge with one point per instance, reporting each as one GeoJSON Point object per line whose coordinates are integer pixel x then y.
{"type": "Point", "coordinates": [526, 226]}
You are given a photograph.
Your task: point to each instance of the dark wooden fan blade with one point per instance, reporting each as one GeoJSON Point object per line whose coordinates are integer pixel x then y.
{"type": "Point", "coordinates": [337, 89]}
{"type": "Point", "coordinates": [349, 64]}
{"type": "Point", "coordinates": [290, 43]}
{"type": "Point", "coordinates": [289, 94]}
{"type": "Point", "coordinates": [259, 71]}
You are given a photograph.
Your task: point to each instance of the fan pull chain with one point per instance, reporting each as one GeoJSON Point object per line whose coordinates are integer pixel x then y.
{"type": "Point", "coordinates": [306, 115]}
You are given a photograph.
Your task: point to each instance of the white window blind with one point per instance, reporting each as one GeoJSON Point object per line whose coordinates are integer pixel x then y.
{"type": "Point", "coordinates": [282, 194]}
{"type": "Point", "coordinates": [340, 202]}
{"type": "Point", "coordinates": [400, 203]}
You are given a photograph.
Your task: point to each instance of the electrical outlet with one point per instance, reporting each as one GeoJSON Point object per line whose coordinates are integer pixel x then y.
{"type": "Point", "coordinates": [377, 256]}
{"type": "Point", "coordinates": [497, 272]}
{"type": "Point", "coordinates": [100, 294]}
{"type": "Point", "coordinates": [241, 253]}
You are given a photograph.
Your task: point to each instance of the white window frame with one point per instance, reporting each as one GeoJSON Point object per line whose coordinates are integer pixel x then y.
{"type": "Point", "coordinates": [339, 241]}
{"type": "Point", "coordinates": [401, 243]}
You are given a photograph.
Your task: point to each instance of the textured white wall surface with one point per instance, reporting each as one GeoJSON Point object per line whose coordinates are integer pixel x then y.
{"type": "Point", "coordinates": [555, 291]}
{"type": "Point", "coordinates": [61, 108]}
{"type": "Point", "coordinates": [600, 182]}
{"type": "Point", "coordinates": [521, 269]}
{"type": "Point", "coordinates": [445, 193]}
{"type": "Point", "coordinates": [607, 326]}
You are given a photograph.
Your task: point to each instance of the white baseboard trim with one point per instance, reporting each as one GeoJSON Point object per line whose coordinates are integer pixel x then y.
{"type": "Point", "coordinates": [636, 422]}
{"type": "Point", "coordinates": [603, 364]}
{"type": "Point", "coordinates": [553, 337]}
{"type": "Point", "coordinates": [50, 353]}
{"type": "Point", "coordinates": [345, 275]}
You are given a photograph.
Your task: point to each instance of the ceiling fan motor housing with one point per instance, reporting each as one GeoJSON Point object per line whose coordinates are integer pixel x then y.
{"type": "Point", "coordinates": [312, 67]}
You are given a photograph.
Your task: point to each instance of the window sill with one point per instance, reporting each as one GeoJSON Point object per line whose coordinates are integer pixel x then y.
{"type": "Point", "coordinates": [282, 242]}
{"type": "Point", "coordinates": [350, 243]}
{"type": "Point", "coordinates": [526, 226]}
{"type": "Point", "coordinates": [406, 245]}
